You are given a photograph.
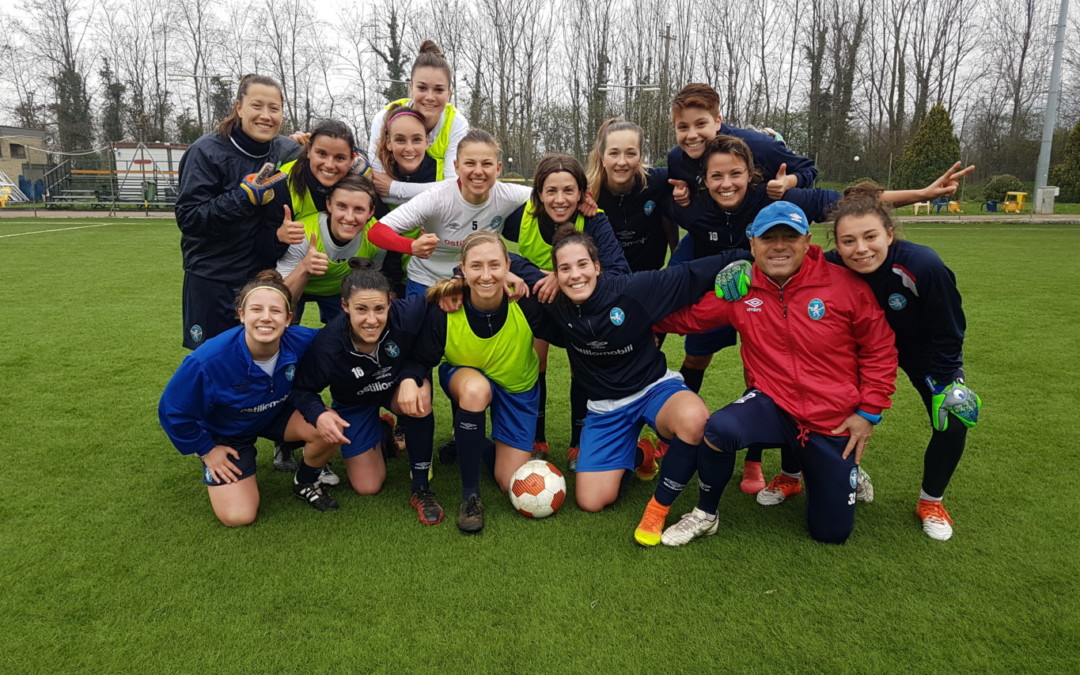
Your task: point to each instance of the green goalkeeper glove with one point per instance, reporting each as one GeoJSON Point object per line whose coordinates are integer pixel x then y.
{"type": "Point", "coordinates": [260, 186]}
{"type": "Point", "coordinates": [733, 282]}
{"type": "Point", "coordinates": [954, 398]}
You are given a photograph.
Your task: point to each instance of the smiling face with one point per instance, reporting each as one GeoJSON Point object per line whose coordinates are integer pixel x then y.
{"type": "Point", "coordinates": [693, 127]}
{"type": "Point", "coordinates": [368, 312]}
{"type": "Point", "coordinates": [407, 141]}
{"type": "Point", "coordinates": [265, 315]}
{"type": "Point", "coordinates": [863, 242]}
{"type": "Point", "coordinates": [727, 178]}
{"type": "Point", "coordinates": [429, 90]}
{"type": "Point", "coordinates": [779, 252]}
{"type": "Point", "coordinates": [621, 159]}
{"type": "Point", "coordinates": [576, 271]}
{"type": "Point", "coordinates": [329, 159]}
{"type": "Point", "coordinates": [477, 167]}
{"type": "Point", "coordinates": [560, 196]}
{"type": "Point", "coordinates": [260, 112]}
{"type": "Point", "coordinates": [350, 211]}
{"type": "Point", "coordinates": [485, 266]}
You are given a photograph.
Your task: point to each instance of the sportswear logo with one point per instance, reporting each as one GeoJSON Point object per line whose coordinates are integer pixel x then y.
{"type": "Point", "coordinates": [816, 309]}
{"type": "Point", "coordinates": [754, 302]}
{"type": "Point", "coordinates": [853, 477]}
{"type": "Point", "coordinates": [650, 206]}
{"type": "Point", "coordinates": [795, 216]}
{"type": "Point", "coordinates": [897, 301]}
{"type": "Point", "coordinates": [617, 316]}
{"type": "Point", "coordinates": [358, 372]}
{"type": "Point", "coordinates": [392, 349]}
{"type": "Point", "coordinates": [906, 278]}
{"type": "Point", "coordinates": [196, 333]}
{"type": "Point", "coordinates": [597, 344]}
{"type": "Point", "coordinates": [468, 426]}
{"type": "Point", "coordinates": [290, 372]}
{"type": "Point", "coordinates": [747, 396]}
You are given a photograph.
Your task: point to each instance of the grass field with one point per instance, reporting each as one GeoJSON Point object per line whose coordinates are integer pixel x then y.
{"type": "Point", "coordinates": [114, 562]}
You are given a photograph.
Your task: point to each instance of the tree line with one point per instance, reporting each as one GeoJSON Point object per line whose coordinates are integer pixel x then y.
{"type": "Point", "coordinates": [839, 79]}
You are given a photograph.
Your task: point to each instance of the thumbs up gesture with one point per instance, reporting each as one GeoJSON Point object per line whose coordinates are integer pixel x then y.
{"type": "Point", "coordinates": [315, 261]}
{"type": "Point", "coordinates": [781, 184]}
{"type": "Point", "coordinates": [424, 245]}
{"type": "Point", "coordinates": [291, 231]}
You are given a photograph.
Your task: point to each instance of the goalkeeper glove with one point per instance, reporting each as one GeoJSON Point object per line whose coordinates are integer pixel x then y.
{"type": "Point", "coordinates": [733, 282]}
{"type": "Point", "coordinates": [953, 398]}
{"type": "Point", "coordinates": [260, 186]}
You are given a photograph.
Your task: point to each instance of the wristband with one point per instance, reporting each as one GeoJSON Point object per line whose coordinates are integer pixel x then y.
{"type": "Point", "coordinates": [869, 417]}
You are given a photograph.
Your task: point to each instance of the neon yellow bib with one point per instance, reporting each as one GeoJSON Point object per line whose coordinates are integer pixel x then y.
{"type": "Point", "coordinates": [441, 145]}
{"type": "Point", "coordinates": [330, 283]}
{"type": "Point", "coordinates": [507, 358]}
{"type": "Point", "coordinates": [531, 245]}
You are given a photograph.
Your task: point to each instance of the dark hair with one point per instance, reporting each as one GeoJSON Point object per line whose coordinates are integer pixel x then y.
{"type": "Point", "coordinates": [226, 126]}
{"type": "Point", "coordinates": [354, 183]}
{"type": "Point", "coordinates": [567, 234]}
{"type": "Point", "coordinates": [596, 174]}
{"type": "Point", "coordinates": [430, 56]}
{"type": "Point", "coordinates": [382, 151]}
{"type": "Point", "coordinates": [330, 129]}
{"type": "Point", "coordinates": [864, 199]}
{"type": "Point", "coordinates": [730, 145]}
{"type": "Point", "coordinates": [268, 279]}
{"type": "Point", "coordinates": [552, 164]}
{"type": "Point", "coordinates": [696, 95]}
{"type": "Point", "coordinates": [363, 276]}
{"type": "Point", "coordinates": [480, 136]}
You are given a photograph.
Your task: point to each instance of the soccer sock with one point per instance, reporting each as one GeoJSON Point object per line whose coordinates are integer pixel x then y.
{"type": "Point", "coordinates": [488, 455]}
{"type": "Point", "coordinates": [789, 462]}
{"type": "Point", "coordinates": [579, 407]}
{"type": "Point", "coordinates": [675, 472]}
{"type": "Point", "coordinates": [943, 454]}
{"type": "Point", "coordinates": [540, 435]}
{"type": "Point", "coordinates": [469, 434]}
{"type": "Point", "coordinates": [307, 474]}
{"type": "Point", "coordinates": [693, 378]}
{"type": "Point", "coordinates": [714, 473]}
{"type": "Point", "coordinates": [927, 497]}
{"type": "Point", "coordinates": [753, 452]}
{"type": "Point", "coordinates": [419, 438]}
{"type": "Point", "coordinates": [639, 457]}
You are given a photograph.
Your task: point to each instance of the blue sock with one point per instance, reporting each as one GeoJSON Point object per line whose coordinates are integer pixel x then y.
{"type": "Point", "coordinates": [714, 472]}
{"type": "Point", "coordinates": [419, 439]}
{"type": "Point", "coordinates": [676, 470]}
{"type": "Point", "coordinates": [469, 435]}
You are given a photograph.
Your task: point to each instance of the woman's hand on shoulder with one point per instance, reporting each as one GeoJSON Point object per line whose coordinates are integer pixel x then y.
{"type": "Point", "coordinates": [547, 289]}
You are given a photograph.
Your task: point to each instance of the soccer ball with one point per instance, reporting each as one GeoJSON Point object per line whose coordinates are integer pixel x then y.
{"type": "Point", "coordinates": [537, 489]}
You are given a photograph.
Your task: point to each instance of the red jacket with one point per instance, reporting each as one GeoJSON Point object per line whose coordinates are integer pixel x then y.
{"type": "Point", "coordinates": [819, 347]}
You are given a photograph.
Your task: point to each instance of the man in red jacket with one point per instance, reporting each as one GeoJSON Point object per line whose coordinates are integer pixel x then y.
{"type": "Point", "coordinates": [821, 365]}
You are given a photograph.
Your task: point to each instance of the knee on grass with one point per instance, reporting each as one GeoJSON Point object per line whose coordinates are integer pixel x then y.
{"type": "Point", "coordinates": [237, 516]}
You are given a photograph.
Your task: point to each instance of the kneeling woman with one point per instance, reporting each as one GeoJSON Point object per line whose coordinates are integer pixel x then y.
{"type": "Point", "coordinates": [606, 322]}
{"type": "Point", "coordinates": [234, 389]}
{"type": "Point", "coordinates": [359, 355]}
{"type": "Point", "coordinates": [487, 345]}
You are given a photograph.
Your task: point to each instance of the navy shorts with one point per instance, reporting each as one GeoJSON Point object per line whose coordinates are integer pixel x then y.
{"type": "Point", "coordinates": [329, 307]}
{"type": "Point", "coordinates": [275, 431]}
{"type": "Point", "coordinates": [364, 430]}
{"type": "Point", "coordinates": [208, 309]}
{"type": "Point", "coordinates": [513, 416]}
{"type": "Point", "coordinates": [609, 440]}
{"type": "Point", "coordinates": [830, 479]}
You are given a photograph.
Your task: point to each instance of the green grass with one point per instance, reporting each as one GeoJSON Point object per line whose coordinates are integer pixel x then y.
{"type": "Point", "coordinates": [114, 562]}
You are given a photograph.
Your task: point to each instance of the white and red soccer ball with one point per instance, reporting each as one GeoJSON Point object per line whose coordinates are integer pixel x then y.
{"type": "Point", "coordinates": [537, 489]}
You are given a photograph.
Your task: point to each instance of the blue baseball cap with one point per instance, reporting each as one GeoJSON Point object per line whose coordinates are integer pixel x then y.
{"type": "Point", "coordinates": [778, 213]}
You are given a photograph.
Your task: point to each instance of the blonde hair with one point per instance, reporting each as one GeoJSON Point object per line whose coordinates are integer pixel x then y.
{"type": "Point", "coordinates": [596, 175]}
{"type": "Point", "coordinates": [456, 286]}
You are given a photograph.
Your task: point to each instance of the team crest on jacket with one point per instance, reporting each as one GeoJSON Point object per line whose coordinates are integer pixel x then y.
{"type": "Point", "coordinates": [392, 349]}
{"type": "Point", "coordinates": [853, 478]}
{"type": "Point", "coordinates": [196, 333]}
{"type": "Point", "coordinates": [897, 301]}
{"type": "Point", "coordinates": [496, 222]}
{"type": "Point", "coordinates": [290, 371]}
{"type": "Point", "coordinates": [816, 309]}
{"type": "Point", "coordinates": [617, 316]}
{"type": "Point", "coordinates": [650, 206]}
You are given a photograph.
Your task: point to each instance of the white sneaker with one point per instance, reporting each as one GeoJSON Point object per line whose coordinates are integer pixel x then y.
{"type": "Point", "coordinates": [936, 522]}
{"type": "Point", "coordinates": [864, 489]}
{"type": "Point", "coordinates": [779, 489]}
{"type": "Point", "coordinates": [695, 524]}
{"type": "Point", "coordinates": [328, 477]}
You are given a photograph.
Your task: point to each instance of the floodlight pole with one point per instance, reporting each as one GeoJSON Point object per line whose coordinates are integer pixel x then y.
{"type": "Point", "coordinates": [1042, 169]}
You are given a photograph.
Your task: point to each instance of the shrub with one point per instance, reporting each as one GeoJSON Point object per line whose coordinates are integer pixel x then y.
{"type": "Point", "coordinates": [997, 187]}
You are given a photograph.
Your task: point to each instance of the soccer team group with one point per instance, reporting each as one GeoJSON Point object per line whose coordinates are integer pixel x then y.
{"type": "Point", "coordinates": [403, 251]}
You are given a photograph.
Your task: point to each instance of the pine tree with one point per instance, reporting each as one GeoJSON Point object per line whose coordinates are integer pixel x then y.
{"type": "Point", "coordinates": [1067, 174]}
{"type": "Point", "coordinates": [932, 150]}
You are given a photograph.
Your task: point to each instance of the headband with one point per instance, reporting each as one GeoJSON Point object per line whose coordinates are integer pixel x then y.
{"type": "Point", "coordinates": [407, 111]}
{"type": "Point", "coordinates": [288, 302]}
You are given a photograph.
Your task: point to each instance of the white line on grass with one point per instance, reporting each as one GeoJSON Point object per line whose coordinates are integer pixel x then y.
{"type": "Point", "coordinates": [62, 229]}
